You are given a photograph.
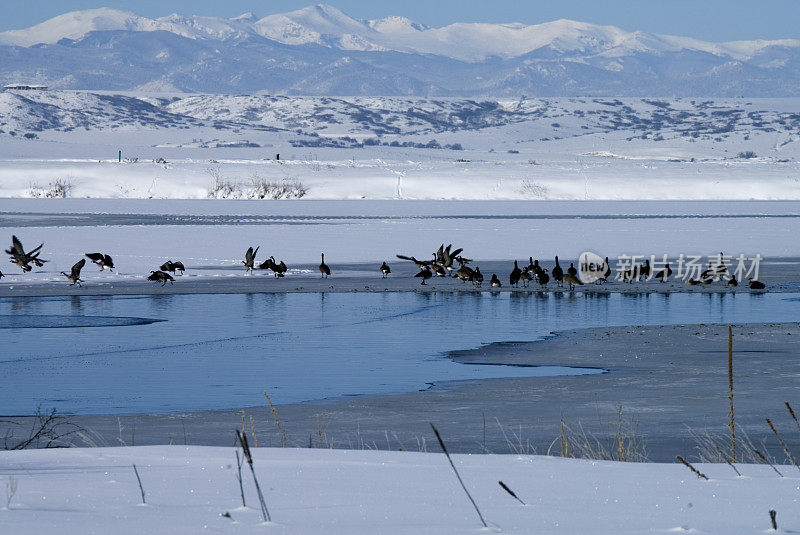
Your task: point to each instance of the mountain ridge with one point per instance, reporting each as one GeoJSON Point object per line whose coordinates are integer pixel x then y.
{"type": "Point", "coordinates": [320, 48]}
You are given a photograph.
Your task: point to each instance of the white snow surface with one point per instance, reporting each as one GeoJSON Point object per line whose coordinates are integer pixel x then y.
{"type": "Point", "coordinates": [399, 148]}
{"type": "Point", "coordinates": [367, 492]}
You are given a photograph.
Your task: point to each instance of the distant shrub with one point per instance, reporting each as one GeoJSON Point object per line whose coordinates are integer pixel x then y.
{"type": "Point", "coordinates": [285, 189]}
{"type": "Point", "coordinates": [58, 189]}
{"type": "Point", "coordinates": [30, 135]}
{"type": "Point", "coordinates": [747, 155]}
{"type": "Point", "coordinates": [533, 189]}
{"type": "Point", "coordinates": [513, 151]}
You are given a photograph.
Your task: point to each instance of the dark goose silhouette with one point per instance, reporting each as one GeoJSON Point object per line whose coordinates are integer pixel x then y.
{"type": "Point", "coordinates": [103, 261]}
{"type": "Point", "coordinates": [558, 274]}
{"type": "Point", "coordinates": [324, 269]}
{"type": "Point", "coordinates": [385, 270]}
{"type": "Point", "coordinates": [74, 276]}
{"type": "Point", "coordinates": [515, 275]}
{"type": "Point", "coordinates": [160, 276]}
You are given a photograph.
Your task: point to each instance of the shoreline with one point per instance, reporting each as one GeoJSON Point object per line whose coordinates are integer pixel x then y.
{"type": "Point", "coordinates": [653, 375]}
{"type": "Point", "coordinates": [780, 274]}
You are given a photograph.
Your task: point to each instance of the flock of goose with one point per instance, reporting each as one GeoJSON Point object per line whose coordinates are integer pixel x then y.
{"type": "Point", "coordinates": [441, 265]}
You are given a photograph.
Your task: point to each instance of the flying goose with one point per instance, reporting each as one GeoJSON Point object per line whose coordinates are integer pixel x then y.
{"type": "Point", "coordinates": [558, 274]}
{"type": "Point", "coordinates": [495, 282]}
{"type": "Point", "coordinates": [385, 270]}
{"type": "Point", "coordinates": [515, 275]}
{"type": "Point", "coordinates": [21, 258]}
{"type": "Point", "coordinates": [160, 276]}
{"type": "Point", "coordinates": [572, 281]}
{"type": "Point", "coordinates": [74, 276]}
{"type": "Point", "coordinates": [103, 261]}
{"type": "Point", "coordinates": [171, 266]}
{"type": "Point", "coordinates": [324, 269]}
{"type": "Point", "coordinates": [424, 274]}
{"type": "Point", "coordinates": [420, 263]}
{"type": "Point", "coordinates": [249, 259]}
{"type": "Point", "coordinates": [755, 285]}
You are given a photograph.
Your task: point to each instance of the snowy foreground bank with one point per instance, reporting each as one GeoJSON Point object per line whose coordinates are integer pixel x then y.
{"type": "Point", "coordinates": [350, 492]}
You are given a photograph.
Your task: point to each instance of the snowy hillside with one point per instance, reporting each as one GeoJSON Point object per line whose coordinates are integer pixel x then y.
{"type": "Point", "coordinates": [321, 50]}
{"type": "Point", "coordinates": [225, 146]}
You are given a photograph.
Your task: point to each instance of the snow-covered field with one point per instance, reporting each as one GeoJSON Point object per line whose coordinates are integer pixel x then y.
{"type": "Point", "coordinates": [397, 148]}
{"type": "Point", "coordinates": [366, 492]}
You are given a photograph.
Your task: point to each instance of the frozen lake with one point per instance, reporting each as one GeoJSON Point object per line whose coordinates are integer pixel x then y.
{"type": "Point", "coordinates": [133, 354]}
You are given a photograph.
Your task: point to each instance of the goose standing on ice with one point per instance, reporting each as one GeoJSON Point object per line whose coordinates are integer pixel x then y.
{"type": "Point", "coordinates": [572, 281]}
{"type": "Point", "coordinates": [424, 274]}
{"type": "Point", "coordinates": [515, 275]}
{"type": "Point", "coordinates": [543, 278]}
{"type": "Point", "coordinates": [103, 261]}
{"type": "Point", "coordinates": [385, 270]}
{"type": "Point", "coordinates": [477, 277]}
{"type": "Point", "coordinates": [607, 272]}
{"type": "Point", "coordinates": [278, 269]}
{"type": "Point", "coordinates": [665, 273]}
{"type": "Point", "coordinates": [558, 274]}
{"type": "Point", "coordinates": [756, 285]}
{"type": "Point", "coordinates": [525, 277]}
{"type": "Point", "coordinates": [733, 283]}
{"type": "Point", "coordinates": [249, 259]}
{"type": "Point", "coordinates": [160, 276]}
{"type": "Point", "coordinates": [495, 282]}
{"type": "Point", "coordinates": [74, 276]}
{"type": "Point", "coordinates": [571, 270]}
{"type": "Point", "coordinates": [324, 269]}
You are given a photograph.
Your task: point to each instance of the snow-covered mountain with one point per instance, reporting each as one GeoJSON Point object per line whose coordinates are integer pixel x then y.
{"type": "Point", "coordinates": [321, 50]}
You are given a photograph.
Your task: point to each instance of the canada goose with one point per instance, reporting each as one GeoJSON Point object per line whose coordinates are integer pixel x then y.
{"type": "Point", "coordinates": [74, 276]}
{"type": "Point", "coordinates": [21, 258]}
{"type": "Point", "coordinates": [531, 266]}
{"type": "Point", "coordinates": [733, 282]}
{"type": "Point", "coordinates": [278, 269]}
{"type": "Point", "coordinates": [722, 269]}
{"type": "Point", "coordinates": [558, 274]}
{"type": "Point", "coordinates": [543, 277]}
{"type": "Point", "coordinates": [516, 273]}
{"type": "Point", "coordinates": [385, 270]}
{"type": "Point", "coordinates": [607, 272]}
{"type": "Point", "coordinates": [424, 274]}
{"type": "Point", "coordinates": [525, 277]}
{"type": "Point", "coordinates": [572, 281]}
{"type": "Point", "coordinates": [755, 285]}
{"type": "Point", "coordinates": [103, 261]}
{"type": "Point", "coordinates": [464, 273]}
{"type": "Point", "coordinates": [495, 282]}
{"type": "Point", "coordinates": [169, 265]}
{"type": "Point", "coordinates": [160, 276]}
{"type": "Point", "coordinates": [249, 259]}
{"type": "Point", "coordinates": [665, 273]}
{"type": "Point", "coordinates": [477, 277]}
{"type": "Point", "coordinates": [571, 270]}
{"type": "Point", "coordinates": [324, 269]}
{"type": "Point", "coordinates": [629, 274]}
{"type": "Point", "coordinates": [420, 263]}
{"type": "Point", "coordinates": [692, 282]}
{"type": "Point", "coordinates": [645, 270]}
{"type": "Point", "coordinates": [439, 270]}
{"type": "Point", "coordinates": [1, 275]}
{"type": "Point", "coordinates": [709, 273]}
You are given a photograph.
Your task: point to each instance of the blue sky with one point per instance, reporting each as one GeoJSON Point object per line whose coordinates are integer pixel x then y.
{"type": "Point", "coordinates": [713, 20]}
